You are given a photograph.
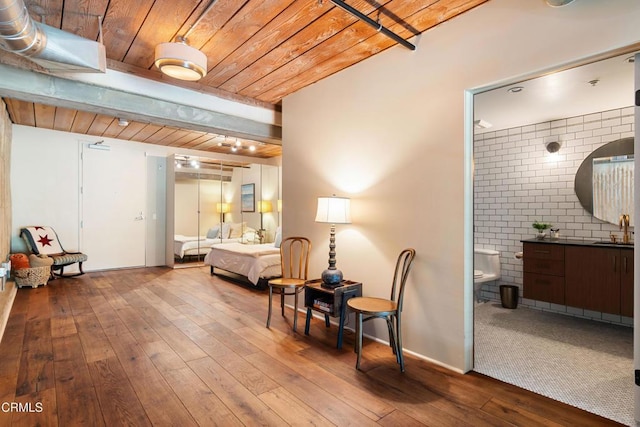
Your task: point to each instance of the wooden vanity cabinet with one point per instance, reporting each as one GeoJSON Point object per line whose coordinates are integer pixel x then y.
{"type": "Point", "coordinates": [592, 278]}
{"type": "Point", "coordinates": [626, 282]}
{"type": "Point", "coordinates": [544, 272]}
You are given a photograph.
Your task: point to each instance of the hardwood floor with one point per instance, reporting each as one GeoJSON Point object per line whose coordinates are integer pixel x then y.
{"type": "Point", "coordinates": [179, 347]}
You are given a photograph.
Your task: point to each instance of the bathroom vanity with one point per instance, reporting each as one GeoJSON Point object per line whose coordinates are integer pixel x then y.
{"type": "Point", "coordinates": [592, 275]}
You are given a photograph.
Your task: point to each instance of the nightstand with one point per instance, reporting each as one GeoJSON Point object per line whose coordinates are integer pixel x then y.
{"type": "Point", "coordinates": [330, 301]}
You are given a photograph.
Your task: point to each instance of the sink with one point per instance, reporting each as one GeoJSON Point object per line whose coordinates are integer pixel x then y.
{"type": "Point", "coordinates": [609, 242]}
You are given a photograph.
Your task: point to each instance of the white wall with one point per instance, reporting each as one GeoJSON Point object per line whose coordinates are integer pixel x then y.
{"type": "Point", "coordinates": [390, 133]}
{"type": "Point", "coordinates": [45, 183]}
{"type": "Point", "coordinates": [516, 182]}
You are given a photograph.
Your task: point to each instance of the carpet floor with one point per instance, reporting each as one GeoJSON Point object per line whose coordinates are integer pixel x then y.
{"type": "Point", "coordinates": [580, 362]}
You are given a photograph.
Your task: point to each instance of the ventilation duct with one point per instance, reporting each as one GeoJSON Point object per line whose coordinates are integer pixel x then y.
{"type": "Point", "coordinates": [49, 47]}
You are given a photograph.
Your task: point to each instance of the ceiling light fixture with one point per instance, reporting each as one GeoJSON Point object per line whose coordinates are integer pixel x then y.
{"type": "Point", "coordinates": [181, 61]}
{"type": "Point", "coordinates": [123, 122]}
{"type": "Point", "coordinates": [558, 3]}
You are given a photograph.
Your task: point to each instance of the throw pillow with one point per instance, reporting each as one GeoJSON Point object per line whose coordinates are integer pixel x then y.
{"type": "Point", "coordinates": [19, 261]}
{"type": "Point", "coordinates": [213, 232]}
{"type": "Point", "coordinates": [40, 260]}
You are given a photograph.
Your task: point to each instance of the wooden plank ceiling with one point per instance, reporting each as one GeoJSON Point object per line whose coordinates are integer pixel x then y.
{"type": "Point", "coordinates": [258, 52]}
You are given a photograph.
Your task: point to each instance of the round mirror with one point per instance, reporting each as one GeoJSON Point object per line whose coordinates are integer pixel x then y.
{"type": "Point", "coordinates": [615, 152]}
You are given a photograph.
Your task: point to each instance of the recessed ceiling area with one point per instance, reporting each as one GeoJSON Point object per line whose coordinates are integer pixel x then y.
{"type": "Point", "coordinates": [603, 85]}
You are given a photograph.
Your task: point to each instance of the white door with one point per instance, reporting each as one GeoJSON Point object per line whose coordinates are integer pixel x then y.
{"type": "Point", "coordinates": [636, 261]}
{"type": "Point", "coordinates": [112, 208]}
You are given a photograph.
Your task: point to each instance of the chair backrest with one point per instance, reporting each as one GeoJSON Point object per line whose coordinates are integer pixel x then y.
{"type": "Point", "coordinates": [403, 265]}
{"type": "Point", "coordinates": [42, 240]}
{"type": "Point", "coordinates": [294, 257]}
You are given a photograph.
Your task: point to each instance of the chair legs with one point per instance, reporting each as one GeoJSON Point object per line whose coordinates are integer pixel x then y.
{"type": "Point", "coordinates": [282, 295]}
{"type": "Point", "coordinates": [399, 355]}
{"type": "Point", "coordinates": [395, 338]}
{"type": "Point", "coordinates": [270, 305]}
{"type": "Point", "coordinates": [358, 338]}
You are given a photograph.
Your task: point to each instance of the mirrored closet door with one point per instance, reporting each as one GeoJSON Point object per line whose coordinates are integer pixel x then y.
{"type": "Point", "coordinates": [220, 201]}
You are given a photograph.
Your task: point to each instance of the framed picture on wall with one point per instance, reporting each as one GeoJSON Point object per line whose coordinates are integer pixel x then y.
{"type": "Point", "coordinates": [248, 197]}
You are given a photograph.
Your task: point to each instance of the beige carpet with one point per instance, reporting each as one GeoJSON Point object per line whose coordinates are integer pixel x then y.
{"type": "Point", "coordinates": [581, 362]}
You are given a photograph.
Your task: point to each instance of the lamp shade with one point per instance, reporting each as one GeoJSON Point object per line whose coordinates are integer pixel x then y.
{"type": "Point", "coordinates": [181, 61]}
{"type": "Point", "coordinates": [334, 210]}
{"type": "Point", "coordinates": [223, 207]}
{"type": "Point", "coordinates": [264, 206]}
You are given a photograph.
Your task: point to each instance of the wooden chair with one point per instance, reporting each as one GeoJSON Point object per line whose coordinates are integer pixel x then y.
{"type": "Point", "coordinates": [367, 308]}
{"type": "Point", "coordinates": [294, 258]}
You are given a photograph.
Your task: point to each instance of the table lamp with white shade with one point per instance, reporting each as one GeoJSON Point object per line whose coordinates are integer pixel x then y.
{"type": "Point", "coordinates": [333, 210]}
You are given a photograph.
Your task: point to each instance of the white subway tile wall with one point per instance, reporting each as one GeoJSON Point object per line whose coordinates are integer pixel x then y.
{"type": "Point", "coordinates": [517, 182]}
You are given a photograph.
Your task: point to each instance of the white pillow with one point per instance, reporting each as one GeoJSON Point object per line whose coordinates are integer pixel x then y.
{"type": "Point", "coordinates": [226, 229]}
{"type": "Point", "coordinates": [278, 240]}
{"type": "Point", "coordinates": [236, 230]}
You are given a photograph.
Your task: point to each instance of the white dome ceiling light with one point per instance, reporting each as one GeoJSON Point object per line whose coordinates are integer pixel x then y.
{"type": "Point", "coordinates": [558, 3]}
{"type": "Point", "coordinates": [181, 61]}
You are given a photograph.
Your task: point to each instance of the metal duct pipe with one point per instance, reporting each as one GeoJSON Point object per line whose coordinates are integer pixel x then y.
{"type": "Point", "coordinates": [18, 32]}
{"type": "Point", "coordinates": [51, 48]}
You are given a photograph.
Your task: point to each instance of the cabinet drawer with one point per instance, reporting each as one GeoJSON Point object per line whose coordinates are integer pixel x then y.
{"type": "Point", "coordinates": [543, 251]}
{"type": "Point", "coordinates": [542, 287]}
{"type": "Point", "coordinates": [544, 266]}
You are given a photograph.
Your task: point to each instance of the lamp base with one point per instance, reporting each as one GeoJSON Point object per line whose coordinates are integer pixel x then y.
{"type": "Point", "coordinates": [331, 277]}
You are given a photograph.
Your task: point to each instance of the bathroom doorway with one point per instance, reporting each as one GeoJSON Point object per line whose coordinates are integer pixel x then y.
{"type": "Point", "coordinates": [517, 181]}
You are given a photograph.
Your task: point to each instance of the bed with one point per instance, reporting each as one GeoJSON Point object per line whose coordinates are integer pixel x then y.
{"type": "Point", "coordinates": [255, 263]}
{"type": "Point", "coordinates": [189, 246]}
{"type": "Point", "coordinates": [185, 246]}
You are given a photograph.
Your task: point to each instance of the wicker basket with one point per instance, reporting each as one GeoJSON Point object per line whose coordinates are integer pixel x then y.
{"type": "Point", "coordinates": [33, 277]}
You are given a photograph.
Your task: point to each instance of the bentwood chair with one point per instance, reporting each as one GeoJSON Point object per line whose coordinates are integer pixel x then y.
{"type": "Point", "coordinates": [367, 308]}
{"type": "Point", "coordinates": [294, 258]}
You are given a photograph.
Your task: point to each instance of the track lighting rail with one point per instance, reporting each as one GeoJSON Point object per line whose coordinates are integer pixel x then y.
{"type": "Point", "coordinates": [379, 27]}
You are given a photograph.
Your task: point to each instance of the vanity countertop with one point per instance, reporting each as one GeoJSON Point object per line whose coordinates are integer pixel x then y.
{"type": "Point", "coordinates": [578, 242]}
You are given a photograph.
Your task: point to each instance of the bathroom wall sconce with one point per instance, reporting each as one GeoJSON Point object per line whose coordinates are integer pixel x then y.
{"type": "Point", "coordinates": [553, 145]}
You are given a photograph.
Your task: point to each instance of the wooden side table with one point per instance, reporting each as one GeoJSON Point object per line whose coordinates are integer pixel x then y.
{"type": "Point", "coordinates": [330, 301]}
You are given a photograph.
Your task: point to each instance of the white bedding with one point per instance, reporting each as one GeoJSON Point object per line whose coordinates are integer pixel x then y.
{"type": "Point", "coordinates": [188, 245]}
{"type": "Point", "coordinates": [251, 261]}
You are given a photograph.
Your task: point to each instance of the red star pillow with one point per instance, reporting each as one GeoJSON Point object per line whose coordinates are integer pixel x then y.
{"type": "Point", "coordinates": [43, 240]}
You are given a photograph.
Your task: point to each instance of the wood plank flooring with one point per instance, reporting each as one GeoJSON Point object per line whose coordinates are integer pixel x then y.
{"type": "Point", "coordinates": [182, 348]}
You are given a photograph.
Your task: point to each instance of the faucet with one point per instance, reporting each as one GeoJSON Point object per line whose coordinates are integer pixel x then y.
{"type": "Point", "coordinates": [624, 224]}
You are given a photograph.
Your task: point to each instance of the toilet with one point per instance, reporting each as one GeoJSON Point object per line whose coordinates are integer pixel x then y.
{"type": "Point", "coordinates": [486, 268]}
